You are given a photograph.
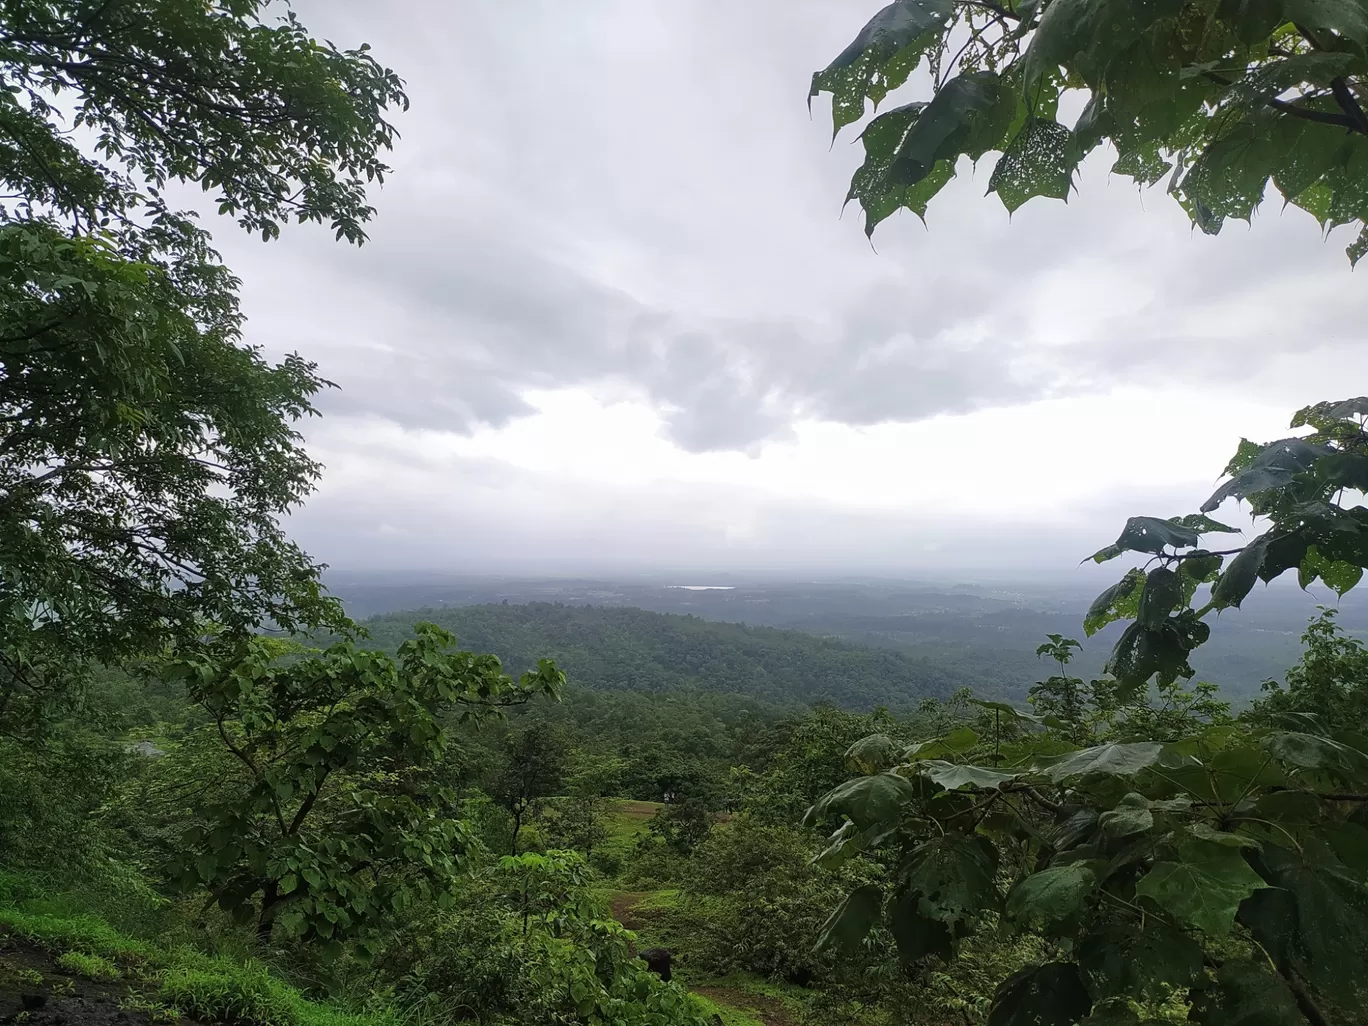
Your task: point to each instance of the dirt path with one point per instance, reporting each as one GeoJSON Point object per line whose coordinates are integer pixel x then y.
{"type": "Point", "coordinates": [623, 905]}
{"type": "Point", "coordinates": [766, 1009]}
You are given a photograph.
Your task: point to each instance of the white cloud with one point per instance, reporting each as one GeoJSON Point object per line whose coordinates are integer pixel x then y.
{"type": "Point", "coordinates": [609, 312]}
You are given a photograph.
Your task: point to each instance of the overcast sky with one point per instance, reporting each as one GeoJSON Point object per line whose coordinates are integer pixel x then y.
{"type": "Point", "coordinates": [611, 318]}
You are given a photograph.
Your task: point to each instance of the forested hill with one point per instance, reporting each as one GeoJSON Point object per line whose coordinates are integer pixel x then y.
{"type": "Point", "coordinates": [631, 649]}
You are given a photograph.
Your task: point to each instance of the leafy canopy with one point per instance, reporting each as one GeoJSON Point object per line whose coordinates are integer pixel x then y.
{"type": "Point", "coordinates": [331, 815]}
{"type": "Point", "coordinates": [146, 453]}
{"type": "Point", "coordinates": [1222, 97]}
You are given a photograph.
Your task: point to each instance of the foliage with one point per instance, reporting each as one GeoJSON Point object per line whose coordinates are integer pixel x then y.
{"type": "Point", "coordinates": [529, 943]}
{"type": "Point", "coordinates": [1227, 862]}
{"type": "Point", "coordinates": [1331, 680]}
{"type": "Point", "coordinates": [1228, 96]}
{"type": "Point", "coordinates": [577, 823]}
{"type": "Point", "coordinates": [619, 649]}
{"type": "Point", "coordinates": [754, 901]}
{"type": "Point", "coordinates": [1298, 485]}
{"type": "Point", "coordinates": [531, 769]}
{"type": "Point", "coordinates": [330, 815]}
{"type": "Point", "coordinates": [91, 966]}
{"type": "Point", "coordinates": [145, 453]}
{"type": "Point", "coordinates": [682, 825]}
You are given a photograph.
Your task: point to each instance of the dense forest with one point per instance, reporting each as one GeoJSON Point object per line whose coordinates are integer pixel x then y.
{"type": "Point", "coordinates": [631, 649]}
{"type": "Point", "coordinates": [224, 802]}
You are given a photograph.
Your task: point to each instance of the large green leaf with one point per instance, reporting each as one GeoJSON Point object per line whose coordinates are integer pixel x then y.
{"type": "Point", "coordinates": [1087, 34]}
{"type": "Point", "coordinates": [953, 776]}
{"type": "Point", "coordinates": [942, 128]}
{"type": "Point", "coordinates": [1131, 815]}
{"type": "Point", "coordinates": [1051, 895]}
{"type": "Point", "coordinates": [1274, 467]}
{"type": "Point", "coordinates": [1203, 888]}
{"type": "Point", "coordinates": [1116, 759]}
{"type": "Point", "coordinates": [1043, 995]}
{"type": "Point", "coordinates": [1162, 594]}
{"type": "Point", "coordinates": [1315, 920]}
{"type": "Point", "coordinates": [1237, 580]}
{"type": "Point", "coordinates": [1120, 601]}
{"type": "Point", "coordinates": [881, 57]}
{"type": "Point", "coordinates": [915, 934]}
{"type": "Point", "coordinates": [1144, 961]}
{"type": "Point", "coordinates": [1039, 161]}
{"type": "Point", "coordinates": [873, 754]}
{"type": "Point", "coordinates": [1312, 752]}
{"type": "Point", "coordinates": [1345, 18]}
{"type": "Point", "coordinates": [1245, 993]}
{"type": "Point", "coordinates": [953, 877]}
{"type": "Point", "coordinates": [1150, 534]}
{"type": "Point", "coordinates": [850, 923]}
{"type": "Point", "coordinates": [869, 801]}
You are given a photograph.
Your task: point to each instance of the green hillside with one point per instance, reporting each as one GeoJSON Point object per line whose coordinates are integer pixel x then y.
{"type": "Point", "coordinates": [634, 650]}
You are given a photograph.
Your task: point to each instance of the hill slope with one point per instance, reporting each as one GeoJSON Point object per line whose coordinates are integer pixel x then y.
{"type": "Point", "coordinates": [634, 650]}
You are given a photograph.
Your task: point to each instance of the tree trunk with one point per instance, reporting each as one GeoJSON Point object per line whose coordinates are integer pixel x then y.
{"type": "Point", "coordinates": [517, 825]}
{"type": "Point", "coordinates": [270, 897]}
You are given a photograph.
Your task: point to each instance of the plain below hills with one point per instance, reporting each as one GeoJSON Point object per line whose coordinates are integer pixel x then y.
{"type": "Point", "coordinates": [627, 649]}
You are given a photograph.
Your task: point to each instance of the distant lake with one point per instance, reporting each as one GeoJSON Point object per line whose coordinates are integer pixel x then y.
{"type": "Point", "coordinates": [703, 587]}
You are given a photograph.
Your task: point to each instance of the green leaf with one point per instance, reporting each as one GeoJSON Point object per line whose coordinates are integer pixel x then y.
{"type": "Point", "coordinates": [953, 877]}
{"type": "Point", "coordinates": [1045, 995]}
{"type": "Point", "coordinates": [1144, 962]}
{"type": "Point", "coordinates": [1203, 524]}
{"type": "Point", "coordinates": [1131, 815]}
{"type": "Point", "coordinates": [1115, 759]}
{"type": "Point", "coordinates": [1086, 34]}
{"type": "Point", "coordinates": [1162, 594]}
{"type": "Point", "coordinates": [881, 57]}
{"type": "Point", "coordinates": [1120, 601]}
{"type": "Point", "coordinates": [873, 754]}
{"type": "Point", "coordinates": [849, 924]}
{"type": "Point", "coordinates": [917, 935]}
{"type": "Point", "coordinates": [953, 776]}
{"type": "Point", "coordinates": [1245, 993]}
{"type": "Point", "coordinates": [942, 128]}
{"type": "Point", "coordinates": [1150, 534]}
{"type": "Point", "coordinates": [1339, 575]}
{"type": "Point", "coordinates": [1240, 573]}
{"type": "Point", "coordinates": [1275, 466]}
{"type": "Point", "coordinates": [869, 801]}
{"type": "Point", "coordinates": [1309, 751]}
{"type": "Point", "coordinates": [1315, 920]}
{"type": "Point", "coordinates": [1203, 888]}
{"type": "Point", "coordinates": [1051, 895]}
{"type": "Point", "coordinates": [1039, 161]}
{"type": "Point", "coordinates": [1345, 18]}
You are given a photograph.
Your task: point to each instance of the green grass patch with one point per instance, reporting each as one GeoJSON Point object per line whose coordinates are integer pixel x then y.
{"type": "Point", "coordinates": [728, 1015]}
{"type": "Point", "coordinates": [92, 967]}
{"type": "Point", "coordinates": [179, 981]}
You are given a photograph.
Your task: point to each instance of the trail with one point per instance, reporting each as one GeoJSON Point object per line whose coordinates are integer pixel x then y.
{"type": "Point", "coordinates": [759, 1007]}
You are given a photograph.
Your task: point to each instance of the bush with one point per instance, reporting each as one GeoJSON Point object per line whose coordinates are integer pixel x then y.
{"type": "Point", "coordinates": [754, 902]}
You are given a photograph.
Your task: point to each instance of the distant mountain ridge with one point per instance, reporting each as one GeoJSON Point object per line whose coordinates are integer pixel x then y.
{"type": "Point", "coordinates": [626, 649]}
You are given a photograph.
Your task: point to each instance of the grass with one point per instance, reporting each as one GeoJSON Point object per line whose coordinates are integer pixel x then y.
{"type": "Point", "coordinates": [180, 981]}
{"type": "Point", "coordinates": [728, 1015]}
{"type": "Point", "coordinates": [92, 967]}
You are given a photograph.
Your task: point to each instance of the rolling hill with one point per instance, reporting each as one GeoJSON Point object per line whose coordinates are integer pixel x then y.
{"type": "Point", "coordinates": [635, 650]}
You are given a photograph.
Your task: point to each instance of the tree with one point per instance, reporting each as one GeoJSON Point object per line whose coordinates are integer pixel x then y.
{"type": "Point", "coordinates": [532, 769]}
{"type": "Point", "coordinates": [1331, 681]}
{"type": "Point", "coordinates": [332, 818]}
{"type": "Point", "coordinates": [1221, 96]}
{"type": "Point", "coordinates": [146, 453]}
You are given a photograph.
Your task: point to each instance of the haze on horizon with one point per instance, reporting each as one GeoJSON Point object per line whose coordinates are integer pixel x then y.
{"type": "Point", "coordinates": [611, 320]}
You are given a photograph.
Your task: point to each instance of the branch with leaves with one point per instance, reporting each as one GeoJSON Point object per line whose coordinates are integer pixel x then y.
{"type": "Point", "coordinates": [1223, 97]}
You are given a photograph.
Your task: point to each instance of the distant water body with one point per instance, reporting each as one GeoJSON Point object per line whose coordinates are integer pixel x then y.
{"type": "Point", "coordinates": [702, 587]}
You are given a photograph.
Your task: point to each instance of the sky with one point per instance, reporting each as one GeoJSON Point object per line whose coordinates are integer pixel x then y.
{"type": "Point", "coordinates": [612, 318]}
